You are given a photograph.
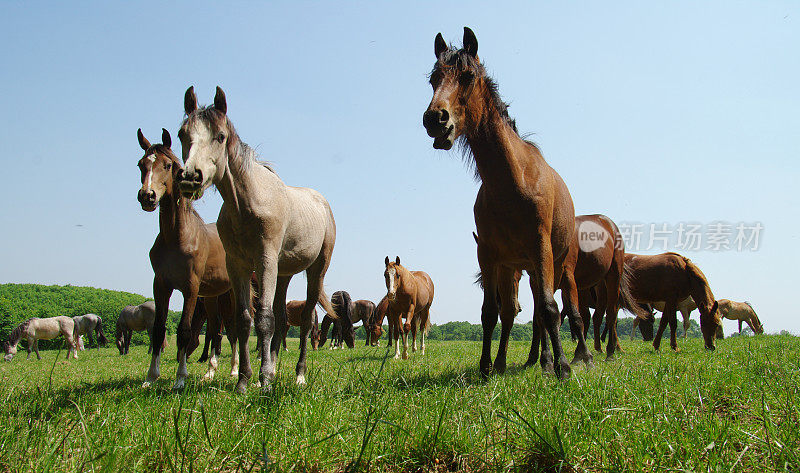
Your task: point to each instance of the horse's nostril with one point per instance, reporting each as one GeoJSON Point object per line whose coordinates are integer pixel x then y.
{"type": "Point", "coordinates": [180, 175]}
{"type": "Point", "coordinates": [444, 116]}
{"type": "Point", "coordinates": [198, 176]}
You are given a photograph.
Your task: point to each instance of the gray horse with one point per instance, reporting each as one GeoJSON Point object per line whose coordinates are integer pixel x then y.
{"type": "Point", "coordinates": [136, 318]}
{"type": "Point", "coordinates": [265, 226]}
{"type": "Point", "coordinates": [87, 324]}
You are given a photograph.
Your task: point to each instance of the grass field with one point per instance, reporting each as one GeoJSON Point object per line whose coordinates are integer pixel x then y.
{"type": "Point", "coordinates": [731, 410]}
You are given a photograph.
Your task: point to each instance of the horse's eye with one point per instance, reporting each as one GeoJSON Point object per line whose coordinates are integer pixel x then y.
{"type": "Point", "coordinates": [168, 166]}
{"type": "Point", "coordinates": [221, 137]}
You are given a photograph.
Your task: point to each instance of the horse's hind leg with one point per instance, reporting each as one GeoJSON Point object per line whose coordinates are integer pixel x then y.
{"type": "Point", "coordinates": [612, 309]}
{"type": "Point", "coordinates": [414, 328]}
{"type": "Point", "coordinates": [211, 305]}
{"type": "Point", "coordinates": [28, 348]}
{"type": "Point", "coordinates": [687, 322]}
{"type": "Point", "coordinates": [185, 337]}
{"type": "Point", "coordinates": [569, 297]}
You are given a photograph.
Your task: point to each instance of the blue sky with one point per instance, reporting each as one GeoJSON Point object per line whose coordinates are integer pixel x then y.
{"type": "Point", "coordinates": [652, 113]}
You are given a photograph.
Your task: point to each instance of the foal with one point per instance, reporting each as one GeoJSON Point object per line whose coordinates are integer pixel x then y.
{"type": "Point", "coordinates": [266, 226]}
{"type": "Point", "coordinates": [670, 278]}
{"type": "Point", "coordinates": [523, 212]}
{"type": "Point", "coordinates": [187, 255]}
{"type": "Point", "coordinates": [410, 295]}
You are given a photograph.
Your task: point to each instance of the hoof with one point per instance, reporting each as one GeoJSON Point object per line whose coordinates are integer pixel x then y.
{"type": "Point", "coordinates": [405, 355]}
{"type": "Point", "coordinates": [548, 369]}
{"type": "Point", "coordinates": [676, 349]}
{"type": "Point", "coordinates": [396, 356]}
{"type": "Point", "coordinates": [301, 380]}
{"type": "Point", "coordinates": [241, 388]}
{"type": "Point", "coordinates": [179, 385]}
{"type": "Point", "coordinates": [235, 374]}
{"type": "Point", "coordinates": [257, 384]}
{"type": "Point", "coordinates": [611, 358]}
{"type": "Point", "coordinates": [147, 384]}
{"type": "Point", "coordinates": [564, 372]}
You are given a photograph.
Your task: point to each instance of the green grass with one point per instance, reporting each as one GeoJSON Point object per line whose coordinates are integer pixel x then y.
{"type": "Point", "coordinates": [731, 410]}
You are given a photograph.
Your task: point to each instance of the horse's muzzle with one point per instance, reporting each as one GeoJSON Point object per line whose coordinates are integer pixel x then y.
{"type": "Point", "coordinates": [439, 127]}
{"type": "Point", "coordinates": [190, 182]}
{"type": "Point", "coordinates": [147, 199]}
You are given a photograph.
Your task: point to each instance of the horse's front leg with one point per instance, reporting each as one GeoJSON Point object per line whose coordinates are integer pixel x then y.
{"type": "Point", "coordinates": [489, 310]}
{"type": "Point", "coordinates": [398, 328]}
{"type": "Point", "coordinates": [28, 347]}
{"type": "Point", "coordinates": [185, 334]}
{"type": "Point", "coordinates": [508, 290]}
{"type": "Point", "coordinates": [267, 276]}
{"type": "Point", "coordinates": [161, 292]}
{"type": "Point", "coordinates": [240, 281]}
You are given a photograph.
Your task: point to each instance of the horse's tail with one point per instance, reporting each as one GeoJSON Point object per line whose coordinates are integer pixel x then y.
{"type": "Point", "coordinates": [626, 299]}
{"type": "Point", "coordinates": [323, 301]}
{"type": "Point", "coordinates": [101, 336]}
{"type": "Point", "coordinates": [342, 306]}
{"type": "Point", "coordinates": [479, 279]}
{"type": "Point", "coordinates": [427, 327]}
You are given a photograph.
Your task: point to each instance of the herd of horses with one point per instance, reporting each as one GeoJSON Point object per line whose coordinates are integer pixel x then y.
{"type": "Point", "coordinates": [234, 274]}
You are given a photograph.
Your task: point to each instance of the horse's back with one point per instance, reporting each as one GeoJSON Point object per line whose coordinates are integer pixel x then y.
{"type": "Point", "coordinates": [424, 289]}
{"type": "Point", "coordinates": [659, 278]}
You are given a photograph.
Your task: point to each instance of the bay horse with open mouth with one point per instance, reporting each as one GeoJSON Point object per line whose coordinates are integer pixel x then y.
{"type": "Point", "coordinates": [294, 311]}
{"type": "Point", "coordinates": [670, 278]}
{"type": "Point", "coordinates": [187, 255]}
{"type": "Point", "coordinates": [524, 214]}
{"type": "Point", "coordinates": [265, 226]}
{"type": "Point", "coordinates": [410, 295]}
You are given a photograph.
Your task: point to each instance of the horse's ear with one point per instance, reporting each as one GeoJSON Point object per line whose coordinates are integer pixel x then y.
{"type": "Point", "coordinates": [439, 45]}
{"type": "Point", "coordinates": [475, 236]}
{"type": "Point", "coordinates": [142, 140]}
{"type": "Point", "coordinates": [189, 101]}
{"type": "Point", "coordinates": [714, 307]}
{"type": "Point", "coordinates": [397, 260]}
{"type": "Point", "coordinates": [470, 42]}
{"type": "Point", "coordinates": [166, 140]}
{"type": "Point", "coordinates": [219, 101]}
{"type": "Point", "coordinates": [386, 261]}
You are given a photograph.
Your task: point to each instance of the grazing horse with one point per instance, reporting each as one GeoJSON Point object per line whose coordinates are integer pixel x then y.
{"type": "Point", "coordinates": [187, 255]}
{"type": "Point", "coordinates": [343, 330]}
{"type": "Point", "coordinates": [742, 312]}
{"type": "Point", "coordinates": [35, 329]}
{"type": "Point", "coordinates": [266, 226]}
{"type": "Point", "coordinates": [523, 212]}
{"type": "Point", "coordinates": [410, 295]}
{"type": "Point", "coordinates": [375, 326]}
{"type": "Point", "coordinates": [136, 318]}
{"type": "Point", "coordinates": [348, 310]}
{"type": "Point", "coordinates": [670, 278]}
{"type": "Point", "coordinates": [294, 309]}
{"type": "Point", "coordinates": [88, 323]}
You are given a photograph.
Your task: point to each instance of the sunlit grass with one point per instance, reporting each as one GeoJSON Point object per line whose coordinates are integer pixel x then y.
{"type": "Point", "coordinates": [730, 410]}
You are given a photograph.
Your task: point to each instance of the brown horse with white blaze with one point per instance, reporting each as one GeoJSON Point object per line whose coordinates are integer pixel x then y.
{"type": "Point", "coordinates": [410, 295]}
{"type": "Point", "coordinates": [670, 278]}
{"type": "Point", "coordinates": [523, 212]}
{"type": "Point", "coordinates": [187, 255]}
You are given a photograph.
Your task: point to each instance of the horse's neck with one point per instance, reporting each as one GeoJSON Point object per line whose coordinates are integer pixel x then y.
{"type": "Point", "coordinates": [408, 283]}
{"type": "Point", "coordinates": [495, 147]}
{"type": "Point", "coordinates": [175, 217]}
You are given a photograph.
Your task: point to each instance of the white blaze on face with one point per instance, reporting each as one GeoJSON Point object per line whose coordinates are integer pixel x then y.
{"type": "Point", "coordinates": [392, 272]}
{"type": "Point", "coordinates": [152, 159]}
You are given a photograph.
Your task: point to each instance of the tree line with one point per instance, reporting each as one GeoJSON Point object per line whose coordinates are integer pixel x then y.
{"type": "Point", "coordinates": [19, 302]}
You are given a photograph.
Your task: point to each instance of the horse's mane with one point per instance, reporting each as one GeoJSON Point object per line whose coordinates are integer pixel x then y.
{"type": "Point", "coordinates": [16, 334]}
{"type": "Point", "coordinates": [463, 61]}
{"type": "Point", "coordinates": [751, 305]}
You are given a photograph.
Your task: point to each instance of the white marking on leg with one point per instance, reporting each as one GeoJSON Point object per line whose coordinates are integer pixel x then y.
{"type": "Point", "coordinates": [213, 365]}
{"type": "Point", "coordinates": [154, 372]}
{"type": "Point", "coordinates": [183, 371]}
{"type": "Point", "coordinates": [301, 380]}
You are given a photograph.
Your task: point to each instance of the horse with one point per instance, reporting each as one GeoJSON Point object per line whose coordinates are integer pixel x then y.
{"type": "Point", "coordinates": [375, 326]}
{"type": "Point", "coordinates": [35, 329]}
{"type": "Point", "coordinates": [187, 255]}
{"type": "Point", "coordinates": [294, 310]}
{"type": "Point", "coordinates": [265, 226]}
{"type": "Point", "coordinates": [136, 318]}
{"type": "Point", "coordinates": [670, 278]}
{"type": "Point", "coordinates": [343, 330]}
{"type": "Point", "coordinates": [523, 211]}
{"type": "Point", "coordinates": [348, 310]}
{"type": "Point", "coordinates": [88, 323]}
{"type": "Point", "coordinates": [741, 312]}
{"type": "Point", "coordinates": [410, 295]}
{"type": "Point", "coordinates": [596, 261]}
